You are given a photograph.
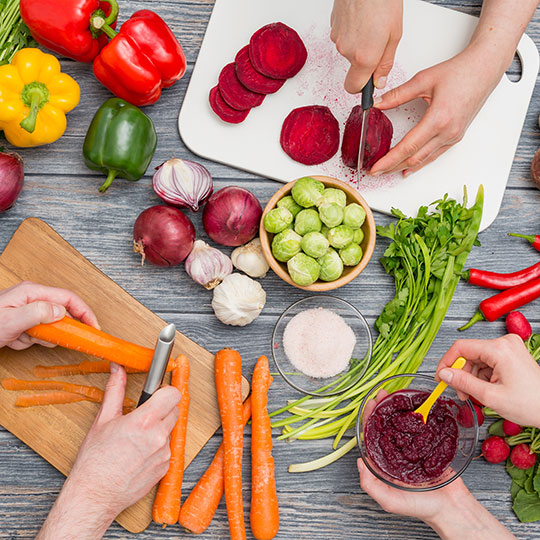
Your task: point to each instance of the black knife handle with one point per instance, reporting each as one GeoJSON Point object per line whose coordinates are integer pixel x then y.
{"type": "Point", "coordinates": [367, 95]}
{"type": "Point", "coordinates": [145, 396]}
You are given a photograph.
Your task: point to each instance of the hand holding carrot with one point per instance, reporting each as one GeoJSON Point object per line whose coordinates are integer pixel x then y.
{"type": "Point", "coordinates": [120, 460]}
{"type": "Point", "coordinates": [27, 304]}
{"type": "Point", "coordinates": [500, 373]}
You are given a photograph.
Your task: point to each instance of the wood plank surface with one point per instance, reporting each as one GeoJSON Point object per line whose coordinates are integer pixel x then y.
{"type": "Point", "coordinates": [327, 504]}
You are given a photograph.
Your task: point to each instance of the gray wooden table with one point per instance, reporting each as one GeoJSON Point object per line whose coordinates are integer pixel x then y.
{"type": "Point", "coordinates": [326, 504]}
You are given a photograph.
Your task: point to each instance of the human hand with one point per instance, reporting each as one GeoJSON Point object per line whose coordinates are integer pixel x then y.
{"type": "Point", "coordinates": [367, 33]}
{"type": "Point", "coordinates": [455, 91]}
{"type": "Point", "coordinates": [119, 462]}
{"type": "Point", "coordinates": [500, 373]}
{"type": "Point", "coordinates": [28, 304]}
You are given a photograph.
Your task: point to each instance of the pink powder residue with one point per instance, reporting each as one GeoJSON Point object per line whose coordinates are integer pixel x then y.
{"type": "Point", "coordinates": [322, 79]}
{"type": "Point", "coordinates": [319, 343]}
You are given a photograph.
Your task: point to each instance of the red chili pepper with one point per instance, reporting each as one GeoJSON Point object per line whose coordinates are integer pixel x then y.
{"type": "Point", "coordinates": [502, 303]}
{"type": "Point", "coordinates": [495, 280]}
{"type": "Point", "coordinates": [70, 27]}
{"type": "Point", "coordinates": [141, 59]}
{"type": "Point", "coordinates": [534, 240]}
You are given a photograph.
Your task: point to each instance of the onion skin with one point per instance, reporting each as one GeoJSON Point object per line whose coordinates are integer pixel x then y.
{"type": "Point", "coordinates": [231, 216]}
{"type": "Point", "coordinates": [163, 235]}
{"type": "Point", "coordinates": [11, 179]}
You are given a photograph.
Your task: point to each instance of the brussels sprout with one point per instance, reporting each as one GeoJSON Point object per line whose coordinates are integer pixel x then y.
{"type": "Point", "coordinates": [354, 216]}
{"type": "Point", "coordinates": [334, 196]}
{"type": "Point", "coordinates": [286, 245]}
{"type": "Point", "coordinates": [340, 236]}
{"type": "Point", "coordinates": [325, 230]}
{"type": "Point", "coordinates": [277, 219]}
{"type": "Point", "coordinates": [307, 191]}
{"type": "Point", "coordinates": [304, 270]}
{"type": "Point", "coordinates": [288, 203]}
{"type": "Point", "coordinates": [358, 236]}
{"type": "Point", "coordinates": [314, 244]}
{"type": "Point", "coordinates": [331, 214]}
{"type": "Point", "coordinates": [307, 221]}
{"type": "Point", "coordinates": [351, 254]}
{"type": "Point", "coordinates": [331, 266]}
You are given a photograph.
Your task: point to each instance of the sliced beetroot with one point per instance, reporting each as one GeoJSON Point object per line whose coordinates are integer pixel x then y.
{"type": "Point", "coordinates": [277, 51]}
{"type": "Point", "coordinates": [251, 78]}
{"type": "Point", "coordinates": [310, 135]}
{"type": "Point", "coordinates": [234, 92]}
{"type": "Point", "coordinates": [224, 111]}
{"type": "Point", "coordinates": [379, 137]}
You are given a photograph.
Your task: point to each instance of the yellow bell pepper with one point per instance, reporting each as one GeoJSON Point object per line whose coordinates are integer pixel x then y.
{"type": "Point", "coordinates": [34, 97]}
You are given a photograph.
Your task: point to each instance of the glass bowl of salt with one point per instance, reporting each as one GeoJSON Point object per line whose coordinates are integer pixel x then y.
{"type": "Point", "coordinates": [322, 345]}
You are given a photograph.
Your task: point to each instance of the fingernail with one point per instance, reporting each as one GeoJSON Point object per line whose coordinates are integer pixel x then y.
{"type": "Point", "coordinates": [381, 82]}
{"type": "Point", "coordinates": [378, 173]}
{"type": "Point", "coordinates": [114, 367]}
{"type": "Point", "coordinates": [377, 100]}
{"type": "Point", "coordinates": [406, 173]}
{"type": "Point", "coordinates": [58, 312]}
{"type": "Point", "coordinates": [446, 375]}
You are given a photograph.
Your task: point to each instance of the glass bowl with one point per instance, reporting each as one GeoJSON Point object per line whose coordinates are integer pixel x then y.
{"type": "Point", "coordinates": [361, 355]}
{"type": "Point", "coordinates": [467, 436]}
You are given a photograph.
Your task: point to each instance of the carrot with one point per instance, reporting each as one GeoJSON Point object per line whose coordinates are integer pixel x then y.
{"type": "Point", "coordinates": [83, 368]}
{"type": "Point", "coordinates": [48, 398]}
{"type": "Point", "coordinates": [75, 335]}
{"type": "Point", "coordinates": [228, 373]}
{"type": "Point", "coordinates": [264, 516]}
{"type": "Point", "coordinates": [166, 507]}
{"type": "Point", "coordinates": [199, 508]}
{"type": "Point", "coordinates": [90, 392]}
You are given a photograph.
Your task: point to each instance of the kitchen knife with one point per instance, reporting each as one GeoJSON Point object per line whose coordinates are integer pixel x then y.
{"type": "Point", "coordinates": [367, 103]}
{"type": "Point", "coordinates": [162, 353]}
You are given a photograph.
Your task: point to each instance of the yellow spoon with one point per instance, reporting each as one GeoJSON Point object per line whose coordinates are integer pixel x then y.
{"type": "Point", "coordinates": [439, 389]}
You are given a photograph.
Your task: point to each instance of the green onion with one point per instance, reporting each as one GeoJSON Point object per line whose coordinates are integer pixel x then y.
{"type": "Point", "coordinates": [426, 257]}
{"type": "Point", "coordinates": [14, 34]}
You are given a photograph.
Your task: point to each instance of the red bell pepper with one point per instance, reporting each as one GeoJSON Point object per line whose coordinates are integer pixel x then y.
{"type": "Point", "coordinates": [70, 27]}
{"type": "Point", "coordinates": [141, 59]}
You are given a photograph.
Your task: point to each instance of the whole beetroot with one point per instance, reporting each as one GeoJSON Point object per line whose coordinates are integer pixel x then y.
{"type": "Point", "coordinates": [522, 457]}
{"type": "Point", "coordinates": [495, 449]}
{"type": "Point", "coordinates": [379, 137]}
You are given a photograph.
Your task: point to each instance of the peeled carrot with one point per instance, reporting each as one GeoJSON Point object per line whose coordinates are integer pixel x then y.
{"type": "Point", "coordinates": [75, 335]}
{"type": "Point", "coordinates": [83, 368]}
{"type": "Point", "coordinates": [90, 392]}
{"type": "Point", "coordinates": [264, 516]}
{"type": "Point", "coordinates": [199, 508]}
{"type": "Point", "coordinates": [166, 507]}
{"type": "Point", "coordinates": [228, 373]}
{"type": "Point", "coordinates": [48, 398]}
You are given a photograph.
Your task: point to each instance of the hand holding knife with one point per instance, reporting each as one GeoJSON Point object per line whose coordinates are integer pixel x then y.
{"type": "Point", "coordinates": [367, 103]}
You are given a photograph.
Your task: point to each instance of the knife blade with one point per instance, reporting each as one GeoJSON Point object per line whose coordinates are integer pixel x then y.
{"type": "Point", "coordinates": [162, 353]}
{"type": "Point", "coordinates": [367, 103]}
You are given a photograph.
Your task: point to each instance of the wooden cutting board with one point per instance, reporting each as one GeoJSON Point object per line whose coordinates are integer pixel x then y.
{"type": "Point", "coordinates": [37, 253]}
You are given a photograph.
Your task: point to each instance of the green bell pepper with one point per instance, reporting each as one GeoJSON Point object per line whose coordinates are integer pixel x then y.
{"type": "Point", "coordinates": [121, 141]}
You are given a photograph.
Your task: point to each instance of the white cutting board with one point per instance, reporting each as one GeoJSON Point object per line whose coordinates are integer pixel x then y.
{"type": "Point", "coordinates": [431, 34]}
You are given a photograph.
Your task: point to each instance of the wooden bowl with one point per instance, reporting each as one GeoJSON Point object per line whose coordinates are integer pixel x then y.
{"type": "Point", "coordinates": [349, 272]}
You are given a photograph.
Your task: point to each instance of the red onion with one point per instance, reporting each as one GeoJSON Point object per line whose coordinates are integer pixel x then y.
{"type": "Point", "coordinates": [11, 179]}
{"type": "Point", "coordinates": [231, 216]}
{"type": "Point", "coordinates": [183, 183]}
{"type": "Point", "coordinates": [163, 235]}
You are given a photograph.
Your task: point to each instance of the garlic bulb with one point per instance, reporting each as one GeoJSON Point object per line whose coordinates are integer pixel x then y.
{"type": "Point", "coordinates": [250, 259]}
{"type": "Point", "coordinates": [238, 300]}
{"type": "Point", "coordinates": [183, 183]}
{"type": "Point", "coordinates": [207, 265]}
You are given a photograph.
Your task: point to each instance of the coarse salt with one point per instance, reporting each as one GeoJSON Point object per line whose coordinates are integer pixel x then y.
{"type": "Point", "coordinates": [319, 343]}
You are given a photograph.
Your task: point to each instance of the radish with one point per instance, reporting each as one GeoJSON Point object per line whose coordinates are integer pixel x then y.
{"type": "Point", "coordinates": [510, 428]}
{"type": "Point", "coordinates": [522, 457]}
{"type": "Point", "coordinates": [465, 416]}
{"type": "Point", "coordinates": [495, 449]}
{"type": "Point", "coordinates": [516, 323]}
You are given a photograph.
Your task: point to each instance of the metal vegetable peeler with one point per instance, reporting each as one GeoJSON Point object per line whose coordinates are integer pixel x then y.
{"type": "Point", "coordinates": [162, 353]}
{"type": "Point", "coordinates": [367, 103]}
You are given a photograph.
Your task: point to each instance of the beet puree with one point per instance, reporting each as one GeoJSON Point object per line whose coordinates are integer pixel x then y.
{"type": "Point", "coordinates": [405, 448]}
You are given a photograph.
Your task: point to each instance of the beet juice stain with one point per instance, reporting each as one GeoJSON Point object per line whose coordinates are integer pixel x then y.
{"type": "Point", "coordinates": [405, 448]}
